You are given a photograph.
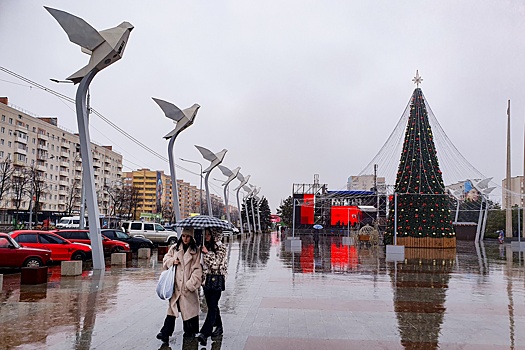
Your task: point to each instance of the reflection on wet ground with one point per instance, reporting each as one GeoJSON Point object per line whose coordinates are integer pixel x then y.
{"type": "Point", "coordinates": [329, 295]}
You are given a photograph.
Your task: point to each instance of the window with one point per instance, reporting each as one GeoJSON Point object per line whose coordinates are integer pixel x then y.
{"type": "Point", "coordinates": [50, 239]}
{"type": "Point", "coordinates": [3, 130]}
{"type": "Point", "coordinates": [1, 154]}
{"type": "Point", "coordinates": [10, 120]}
{"type": "Point", "coordinates": [9, 143]}
{"type": "Point", "coordinates": [78, 235]}
{"type": "Point", "coordinates": [3, 118]}
{"type": "Point", "coordinates": [136, 226]}
{"type": "Point", "coordinates": [27, 238]}
{"type": "Point", "coordinates": [1, 141]}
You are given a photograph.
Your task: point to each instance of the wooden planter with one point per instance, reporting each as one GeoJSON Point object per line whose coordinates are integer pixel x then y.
{"type": "Point", "coordinates": [427, 242]}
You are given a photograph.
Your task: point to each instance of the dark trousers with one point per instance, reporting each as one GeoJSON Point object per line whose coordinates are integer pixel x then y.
{"type": "Point", "coordinates": [213, 318]}
{"type": "Point", "coordinates": [190, 326]}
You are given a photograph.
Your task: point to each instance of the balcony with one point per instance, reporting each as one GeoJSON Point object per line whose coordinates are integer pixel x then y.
{"type": "Point", "coordinates": [63, 173]}
{"type": "Point", "coordinates": [64, 154]}
{"type": "Point", "coordinates": [20, 151]}
{"type": "Point", "coordinates": [21, 140]}
{"type": "Point", "coordinates": [42, 147]}
{"type": "Point", "coordinates": [63, 183]}
{"type": "Point", "coordinates": [42, 137]}
{"type": "Point", "coordinates": [96, 163]}
{"type": "Point", "coordinates": [64, 163]}
{"type": "Point", "coordinates": [19, 162]}
{"type": "Point", "coordinates": [40, 167]}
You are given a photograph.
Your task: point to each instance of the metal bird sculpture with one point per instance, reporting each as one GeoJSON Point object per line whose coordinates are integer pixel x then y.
{"type": "Point", "coordinates": [214, 158]}
{"type": "Point", "coordinates": [183, 119]}
{"type": "Point", "coordinates": [104, 47]}
{"type": "Point", "coordinates": [232, 174]}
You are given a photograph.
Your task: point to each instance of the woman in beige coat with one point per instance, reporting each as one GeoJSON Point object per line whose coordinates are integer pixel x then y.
{"type": "Point", "coordinates": [188, 278]}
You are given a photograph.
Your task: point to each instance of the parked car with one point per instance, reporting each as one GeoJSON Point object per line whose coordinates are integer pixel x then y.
{"type": "Point", "coordinates": [134, 242]}
{"type": "Point", "coordinates": [61, 249]}
{"type": "Point", "coordinates": [150, 230]}
{"type": "Point", "coordinates": [14, 255]}
{"type": "Point", "coordinates": [82, 236]}
{"type": "Point", "coordinates": [231, 231]}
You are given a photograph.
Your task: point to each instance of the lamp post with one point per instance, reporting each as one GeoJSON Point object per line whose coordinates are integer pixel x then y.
{"type": "Point", "coordinates": [258, 212]}
{"type": "Point", "coordinates": [232, 175]}
{"type": "Point", "coordinates": [200, 190]}
{"type": "Point", "coordinates": [245, 200]}
{"type": "Point", "coordinates": [215, 159]}
{"type": "Point", "coordinates": [183, 120]}
{"type": "Point", "coordinates": [255, 191]}
{"type": "Point", "coordinates": [82, 208]}
{"type": "Point", "coordinates": [244, 181]}
{"type": "Point", "coordinates": [251, 194]}
{"type": "Point", "coordinates": [105, 48]}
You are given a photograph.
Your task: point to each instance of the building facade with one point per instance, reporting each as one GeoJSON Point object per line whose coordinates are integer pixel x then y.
{"type": "Point", "coordinates": [516, 194]}
{"type": "Point", "coordinates": [34, 143]}
{"type": "Point", "coordinates": [155, 197]}
{"type": "Point", "coordinates": [365, 183]}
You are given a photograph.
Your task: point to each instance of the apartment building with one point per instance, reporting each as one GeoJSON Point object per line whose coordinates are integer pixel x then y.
{"type": "Point", "coordinates": [154, 187]}
{"type": "Point", "coordinates": [29, 141]}
{"type": "Point", "coordinates": [516, 196]}
{"type": "Point", "coordinates": [365, 183]}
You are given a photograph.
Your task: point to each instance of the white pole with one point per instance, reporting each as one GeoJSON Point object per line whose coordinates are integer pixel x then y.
{"type": "Point", "coordinates": [395, 218]}
{"type": "Point", "coordinates": [293, 218]}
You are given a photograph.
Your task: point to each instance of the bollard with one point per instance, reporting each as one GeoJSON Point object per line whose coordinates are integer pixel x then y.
{"type": "Point", "coordinates": [129, 256]}
{"type": "Point", "coordinates": [1, 281]}
{"type": "Point", "coordinates": [118, 259]}
{"type": "Point", "coordinates": [71, 268]}
{"type": "Point", "coordinates": [161, 251]}
{"type": "Point", "coordinates": [33, 275]}
{"type": "Point", "coordinates": [144, 253]}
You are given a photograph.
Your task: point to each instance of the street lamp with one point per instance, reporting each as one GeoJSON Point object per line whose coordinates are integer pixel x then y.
{"type": "Point", "coordinates": [82, 213]}
{"type": "Point", "coordinates": [105, 48]}
{"type": "Point", "coordinates": [251, 194]}
{"type": "Point", "coordinates": [215, 159]}
{"type": "Point", "coordinates": [232, 175]}
{"type": "Point", "coordinates": [254, 197]}
{"type": "Point", "coordinates": [191, 161]}
{"type": "Point", "coordinates": [244, 181]}
{"type": "Point", "coordinates": [183, 119]}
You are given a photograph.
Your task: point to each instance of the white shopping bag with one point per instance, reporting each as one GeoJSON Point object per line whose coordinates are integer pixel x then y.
{"type": "Point", "coordinates": [166, 283]}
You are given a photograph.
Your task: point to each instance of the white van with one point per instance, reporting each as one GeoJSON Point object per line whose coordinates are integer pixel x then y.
{"type": "Point", "coordinates": [70, 222]}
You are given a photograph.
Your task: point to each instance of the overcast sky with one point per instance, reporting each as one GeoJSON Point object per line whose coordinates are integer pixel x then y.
{"type": "Point", "coordinates": [290, 88]}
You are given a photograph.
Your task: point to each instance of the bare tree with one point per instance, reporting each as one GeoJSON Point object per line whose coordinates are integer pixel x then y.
{"type": "Point", "coordinates": [130, 201]}
{"type": "Point", "coordinates": [6, 172]}
{"type": "Point", "coordinates": [73, 196]}
{"type": "Point", "coordinates": [38, 187]}
{"type": "Point", "coordinates": [20, 188]}
{"type": "Point", "coordinates": [167, 211]}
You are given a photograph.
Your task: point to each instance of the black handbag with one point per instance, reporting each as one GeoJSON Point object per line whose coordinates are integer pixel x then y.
{"type": "Point", "coordinates": [215, 282]}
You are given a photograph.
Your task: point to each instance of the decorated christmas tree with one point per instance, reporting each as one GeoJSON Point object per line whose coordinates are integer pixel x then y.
{"type": "Point", "coordinates": [422, 205]}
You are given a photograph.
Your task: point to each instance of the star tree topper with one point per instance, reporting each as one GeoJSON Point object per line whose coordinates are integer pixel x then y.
{"type": "Point", "coordinates": [417, 79]}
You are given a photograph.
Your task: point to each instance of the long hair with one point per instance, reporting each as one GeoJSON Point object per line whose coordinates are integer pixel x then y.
{"type": "Point", "coordinates": [211, 244]}
{"type": "Point", "coordinates": [192, 245]}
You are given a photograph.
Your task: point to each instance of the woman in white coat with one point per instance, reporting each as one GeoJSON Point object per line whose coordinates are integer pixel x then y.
{"type": "Point", "coordinates": [188, 278]}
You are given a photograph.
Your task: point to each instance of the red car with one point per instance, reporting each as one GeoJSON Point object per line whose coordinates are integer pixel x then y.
{"type": "Point", "coordinates": [61, 249]}
{"type": "Point", "coordinates": [82, 236]}
{"type": "Point", "coordinates": [13, 255]}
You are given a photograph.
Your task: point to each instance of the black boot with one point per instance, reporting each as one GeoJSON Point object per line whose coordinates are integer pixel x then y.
{"type": "Point", "coordinates": [163, 338]}
{"type": "Point", "coordinates": [217, 332]}
{"type": "Point", "coordinates": [203, 339]}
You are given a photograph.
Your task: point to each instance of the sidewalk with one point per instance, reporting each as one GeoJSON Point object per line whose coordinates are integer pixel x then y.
{"type": "Point", "coordinates": [326, 297]}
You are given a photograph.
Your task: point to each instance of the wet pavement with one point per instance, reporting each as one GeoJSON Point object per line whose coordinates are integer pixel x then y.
{"type": "Point", "coordinates": [330, 296]}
